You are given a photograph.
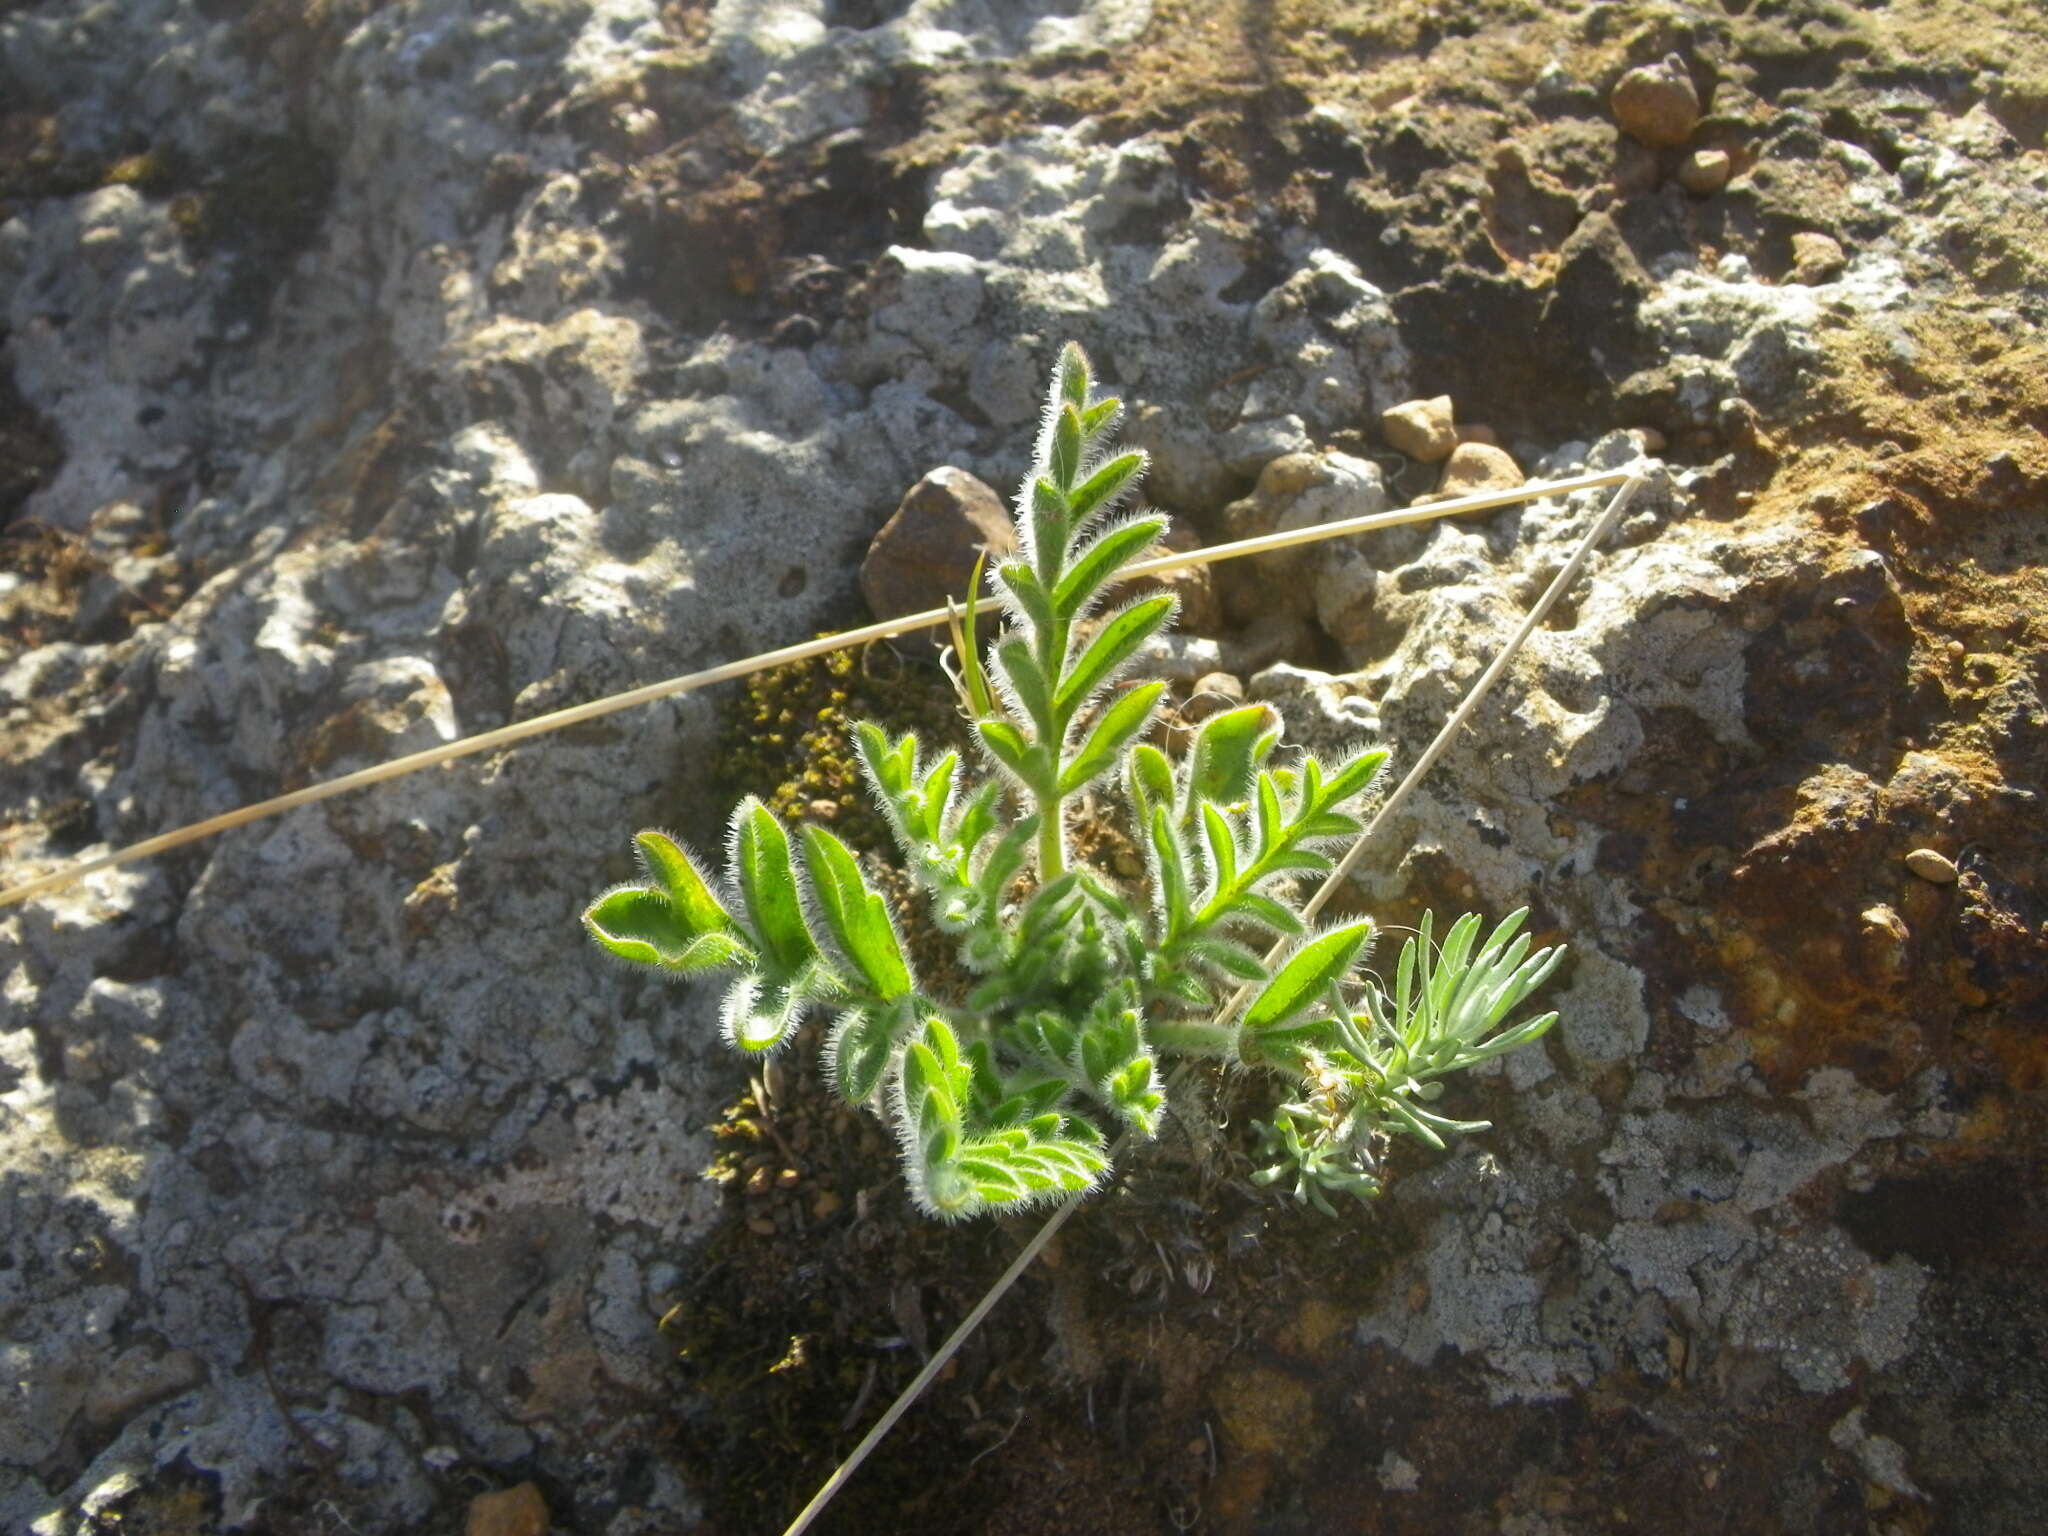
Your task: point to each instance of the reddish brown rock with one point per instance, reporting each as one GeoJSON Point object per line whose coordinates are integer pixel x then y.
{"type": "Point", "coordinates": [925, 553]}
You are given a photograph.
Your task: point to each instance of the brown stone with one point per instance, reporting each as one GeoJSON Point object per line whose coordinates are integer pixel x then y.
{"type": "Point", "coordinates": [1816, 258]}
{"type": "Point", "coordinates": [1657, 103]}
{"type": "Point", "coordinates": [1422, 429]}
{"type": "Point", "coordinates": [1213, 693]}
{"type": "Point", "coordinates": [925, 553]}
{"type": "Point", "coordinates": [1705, 171]}
{"type": "Point", "coordinates": [1476, 467]}
{"type": "Point", "coordinates": [519, 1511]}
{"type": "Point", "coordinates": [1478, 432]}
{"type": "Point", "coordinates": [1932, 866]}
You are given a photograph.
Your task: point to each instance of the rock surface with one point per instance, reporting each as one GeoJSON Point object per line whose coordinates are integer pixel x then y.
{"type": "Point", "coordinates": [372, 375]}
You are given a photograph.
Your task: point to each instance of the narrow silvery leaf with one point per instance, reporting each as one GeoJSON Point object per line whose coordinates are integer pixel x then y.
{"type": "Point", "coordinates": [767, 884]}
{"type": "Point", "coordinates": [1118, 641]}
{"type": "Point", "coordinates": [1122, 721]}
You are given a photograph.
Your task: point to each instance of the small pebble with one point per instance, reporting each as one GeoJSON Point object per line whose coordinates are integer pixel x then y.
{"type": "Point", "coordinates": [1422, 429]}
{"type": "Point", "coordinates": [1476, 467]}
{"type": "Point", "coordinates": [519, 1511]}
{"type": "Point", "coordinates": [1213, 693]}
{"type": "Point", "coordinates": [1657, 104]}
{"type": "Point", "coordinates": [761, 1226]}
{"type": "Point", "coordinates": [1705, 171]}
{"type": "Point", "coordinates": [787, 1179]}
{"type": "Point", "coordinates": [826, 1205]}
{"type": "Point", "coordinates": [1932, 866]}
{"type": "Point", "coordinates": [1478, 432]}
{"type": "Point", "coordinates": [1816, 258]}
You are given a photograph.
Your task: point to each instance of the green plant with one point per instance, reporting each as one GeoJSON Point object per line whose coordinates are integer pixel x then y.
{"type": "Point", "coordinates": [1004, 1094]}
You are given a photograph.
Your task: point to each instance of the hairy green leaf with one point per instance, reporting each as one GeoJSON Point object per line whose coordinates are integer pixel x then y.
{"type": "Point", "coordinates": [1066, 448]}
{"type": "Point", "coordinates": [643, 926]}
{"type": "Point", "coordinates": [1100, 559]}
{"type": "Point", "coordinates": [767, 885]}
{"type": "Point", "coordinates": [1102, 488]}
{"type": "Point", "coordinates": [673, 870]}
{"type": "Point", "coordinates": [857, 917]}
{"type": "Point", "coordinates": [1119, 638]}
{"type": "Point", "coordinates": [1119, 723]}
{"type": "Point", "coordinates": [857, 1053]}
{"type": "Point", "coordinates": [1307, 976]}
{"type": "Point", "coordinates": [1228, 748]}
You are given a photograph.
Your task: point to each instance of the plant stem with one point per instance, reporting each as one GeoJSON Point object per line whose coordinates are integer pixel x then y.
{"type": "Point", "coordinates": [1052, 842]}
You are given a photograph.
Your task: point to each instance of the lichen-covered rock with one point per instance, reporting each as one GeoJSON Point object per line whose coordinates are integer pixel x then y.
{"type": "Point", "coordinates": [1293, 492]}
{"type": "Point", "coordinates": [377, 374]}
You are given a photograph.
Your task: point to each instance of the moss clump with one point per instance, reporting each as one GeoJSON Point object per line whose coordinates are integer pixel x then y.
{"type": "Point", "coordinates": [150, 171]}
{"type": "Point", "coordinates": [789, 734]}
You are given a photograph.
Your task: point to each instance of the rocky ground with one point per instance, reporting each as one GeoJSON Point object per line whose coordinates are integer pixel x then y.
{"type": "Point", "coordinates": [377, 373]}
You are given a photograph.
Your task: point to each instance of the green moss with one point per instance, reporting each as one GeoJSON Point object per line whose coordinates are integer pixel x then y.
{"type": "Point", "coordinates": [789, 735]}
{"type": "Point", "coordinates": [150, 171]}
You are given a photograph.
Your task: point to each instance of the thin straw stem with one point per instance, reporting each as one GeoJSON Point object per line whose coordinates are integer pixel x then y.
{"type": "Point", "coordinates": [1442, 740]}
{"type": "Point", "coordinates": [540, 725]}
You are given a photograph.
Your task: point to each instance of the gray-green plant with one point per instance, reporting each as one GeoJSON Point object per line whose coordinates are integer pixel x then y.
{"type": "Point", "coordinates": [1004, 1089]}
